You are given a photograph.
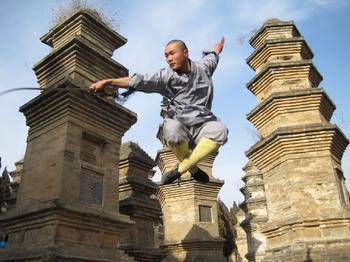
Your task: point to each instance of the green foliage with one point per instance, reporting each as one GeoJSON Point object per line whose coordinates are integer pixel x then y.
{"type": "Point", "coordinates": [233, 211]}
{"type": "Point", "coordinates": [227, 220]}
{"type": "Point", "coordinates": [4, 187]}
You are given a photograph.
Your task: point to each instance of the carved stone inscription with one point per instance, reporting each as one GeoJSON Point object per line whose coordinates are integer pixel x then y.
{"type": "Point", "coordinates": [91, 187]}
{"type": "Point", "coordinates": [205, 214]}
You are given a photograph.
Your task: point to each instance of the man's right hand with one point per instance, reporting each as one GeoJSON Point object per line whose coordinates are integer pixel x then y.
{"type": "Point", "coordinates": [95, 87]}
{"type": "Point", "coordinates": [122, 82]}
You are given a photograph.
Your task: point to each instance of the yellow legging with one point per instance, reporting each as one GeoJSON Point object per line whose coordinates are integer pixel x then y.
{"type": "Point", "coordinates": [188, 161]}
{"type": "Point", "coordinates": [181, 151]}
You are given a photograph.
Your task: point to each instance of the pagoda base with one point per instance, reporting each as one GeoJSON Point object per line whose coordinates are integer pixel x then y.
{"type": "Point", "coordinates": [325, 251]}
{"type": "Point", "coordinates": [195, 250]}
{"type": "Point", "coordinates": [311, 239]}
{"type": "Point", "coordinates": [144, 254]}
{"type": "Point", "coordinates": [54, 231]}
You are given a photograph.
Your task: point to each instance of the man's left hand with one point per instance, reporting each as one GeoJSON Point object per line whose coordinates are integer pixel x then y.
{"type": "Point", "coordinates": [219, 46]}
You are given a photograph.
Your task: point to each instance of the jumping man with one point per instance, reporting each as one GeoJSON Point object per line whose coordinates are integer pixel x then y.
{"type": "Point", "coordinates": [190, 129]}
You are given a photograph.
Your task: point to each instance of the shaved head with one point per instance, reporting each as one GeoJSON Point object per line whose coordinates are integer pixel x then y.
{"type": "Point", "coordinates": [178, 42]}
{"type": "Point", "coordinates": [176, 55]}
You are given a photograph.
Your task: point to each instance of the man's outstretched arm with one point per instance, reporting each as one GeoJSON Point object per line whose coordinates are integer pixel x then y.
{"type": "Point", "coordinates": [210, 58]}
{"type": "Point", "coordinates": [148, 83]}
{"type": "Point", "coordinates": [123, 82]}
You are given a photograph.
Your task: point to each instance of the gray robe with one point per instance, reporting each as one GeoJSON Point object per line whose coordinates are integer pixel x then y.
{"type": "Point", "coordinates": [187, 98]}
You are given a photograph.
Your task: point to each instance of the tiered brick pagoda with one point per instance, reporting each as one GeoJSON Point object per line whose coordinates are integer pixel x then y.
{"type": "Point", "coordinates": [300, 151]}
{"type": "Point", "coordinates": [254, 207]}
{"type": "Point", "coordinates": [241, 238]}
{"type": "Point", "coordinates": [136, 200]}
{"type": "Point", "coordinates": [190, 215]}
{"type": "Point", "coordinates": [67, 205]}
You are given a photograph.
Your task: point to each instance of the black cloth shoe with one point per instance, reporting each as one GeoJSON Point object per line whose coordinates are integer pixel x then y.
{"type": "Point", "coordinates": [200, 176]}
{"type": "Point", "coordinates": [170, 176]}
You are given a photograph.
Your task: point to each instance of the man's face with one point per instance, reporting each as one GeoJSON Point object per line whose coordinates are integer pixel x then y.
{"type": "Point", "coordinates": [176, 57]}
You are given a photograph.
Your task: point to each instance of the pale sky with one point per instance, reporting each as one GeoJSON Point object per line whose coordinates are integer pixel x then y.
{"type": "Point", "coordinates": [148, 26]}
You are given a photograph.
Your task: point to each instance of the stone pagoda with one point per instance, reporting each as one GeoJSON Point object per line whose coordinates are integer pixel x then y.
{"type": "Point", "coordinates": [190, 214]}
{"type": "Point", "coordinates": [241, 238]}
{"type": "Point", "coordinates": [254, 207]}
{"type": "Point", "coordinates": [67, 206]}
{"type": "Point", "coordinates": [300, 151]}
{"type": "Point", "coordinates": [136, 200]}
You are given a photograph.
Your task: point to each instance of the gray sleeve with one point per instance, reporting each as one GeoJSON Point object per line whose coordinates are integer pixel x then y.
{"type": "Point", "coordinates": [209, 61]}
{"type": "Point", "coordinates": [149, 83]}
